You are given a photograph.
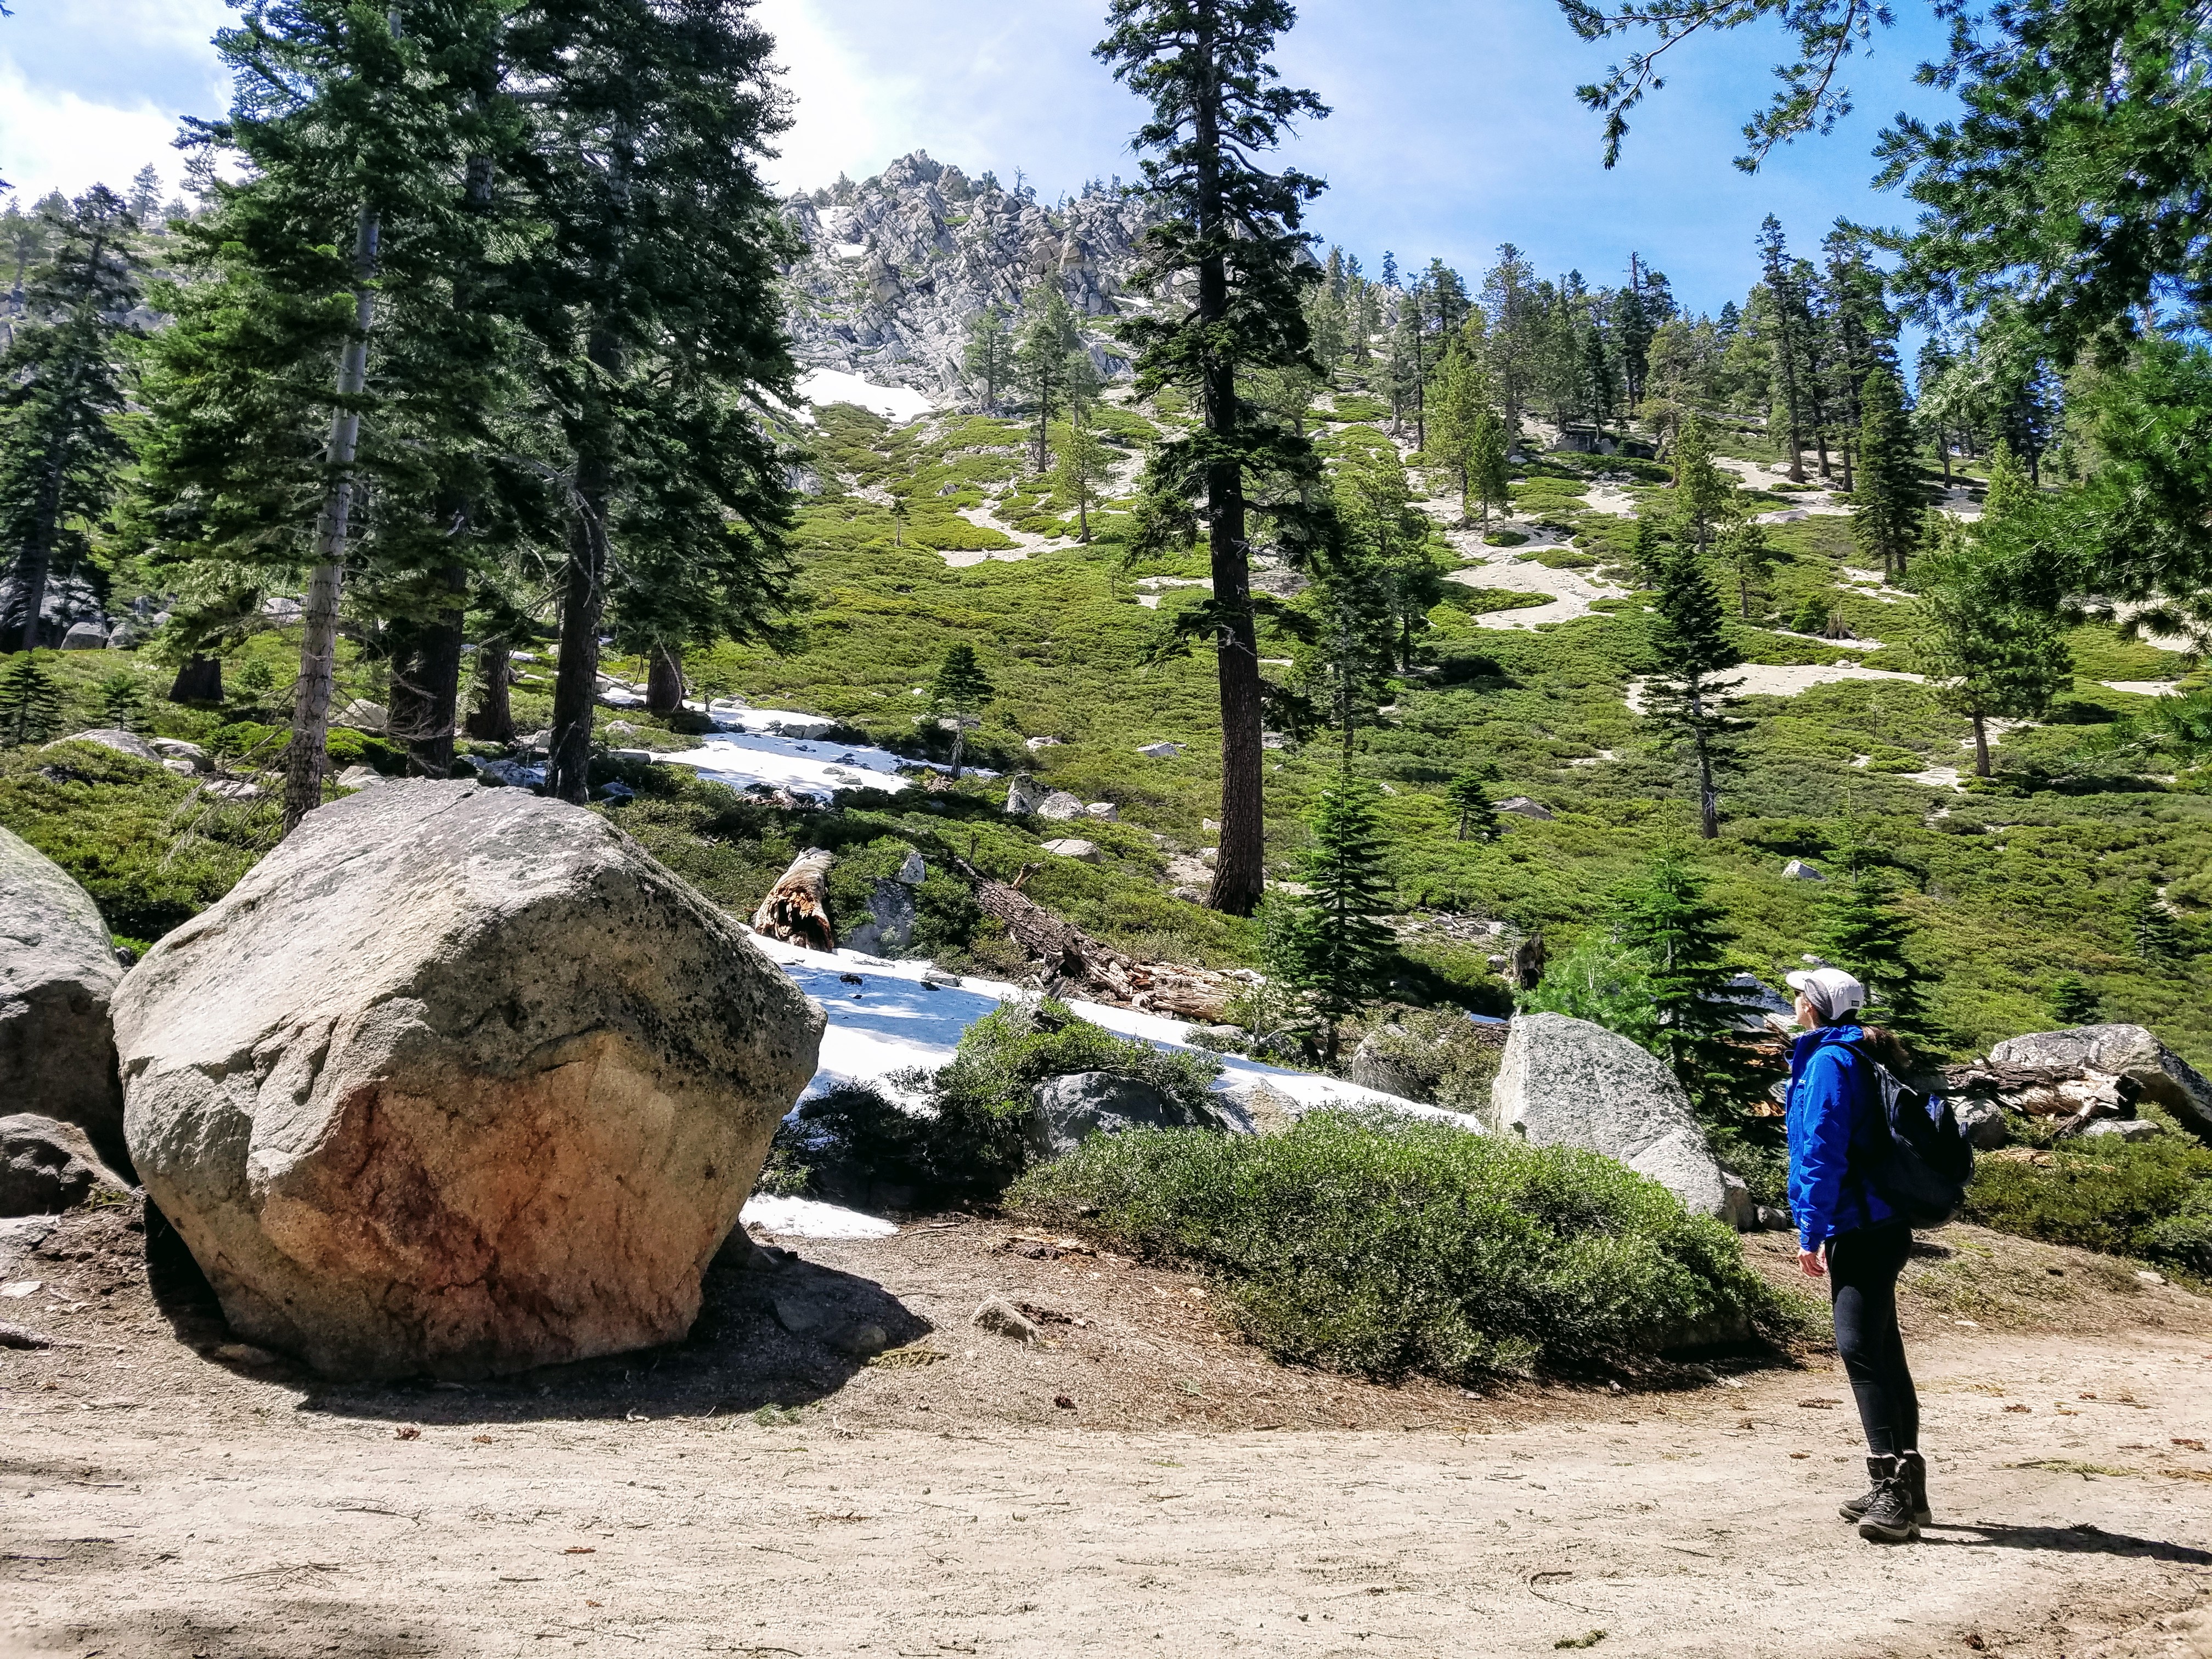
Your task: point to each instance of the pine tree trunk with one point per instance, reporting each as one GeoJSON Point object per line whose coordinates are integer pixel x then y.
{"type": "Point", "coordinates": [308, 757]}
{"type": "Point", "coordinates": [198, 680]}
{"type": "Point", "coordinates": [494, 723]}
{"type": "Point", "coordinates": [1981, 745]}
{"type": "Point", "coordinates": [959, 745]}
{"type": "Point", "coordinates": [583, 603]}
{"type": "Point", "coordinates": [438, 667]}
{"type": "Point", "coordinates": [664, 680]}
{"type": "Point", "coordinates": [1709, 799]}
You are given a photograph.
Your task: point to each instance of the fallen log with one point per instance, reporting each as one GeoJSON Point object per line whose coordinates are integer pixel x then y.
{"type": "Point", "coordinates": [796, 908]}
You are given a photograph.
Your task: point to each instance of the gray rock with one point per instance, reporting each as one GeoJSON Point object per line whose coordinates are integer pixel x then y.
{"type": "Point", "coordinates": [1373, 1069]}
{"type": "Point", "coordinates": [180, 766]}
{"type": "Point", "coordinates": [176, 749]}
{"type": "Point", "coordinates": [510, 774]}
{"type": "Point", "coordinates": [1036, 744]}
{"type": "Point", "coordinates": [1521, 806]}
{"type": "Point", "coordinates": [889, 927]}
{"type": "Point", "coordinates": [1774, 1221]}
{"type": "Point", "coordinates": [2122, 1128]}
{"type": "Point", "coordinates": [912, 871]}
{"type": "Point", "coordinates": [1569, 1083]}
{"type": "Point", "coordinates": [47, 1166]}
{"type": "Point", "coordinates": [85, 636]}
{"type": "Point", "coordinates": [457, 1080]}
{"type": "Point", "coordinates": [1065, 1111]}
{"type": "Point", "coordinates": [1024, 794]}
{"type": "Point", "coordinates": [233, 789]}
{"type": "Point", "coordinates": [360, 777]}
{"type": "Point", "coordinates": [362, 715]}
{"type": "Point", "coordinates": [115, 737]}
{"type": "Point", "coordinates": [1104, 810]}
{"type": "Point", "coordinates": [1798, 869]}
{"type": "Point", "coordinates": [1060, 806]}
{"type": "Point", "coordinates": [1160, 751]}
{"type": "Point", "coordinates": [1741, 1210]}
{"type": "Point", "coordinates": [1982, 1123]}
{"type": "Point", "coordinates": [1001, 1318]}
{"type": "Point", "coordinates": [58, 971]}
{"type": "Point", "coordinates": [936, 979]}
{"type": "Point", "coordinates": [2128, 1051]}
{"type": "Point", "coordinates": [1757, 999]}
{"type": "Point", "coordinates": [1075, 847]}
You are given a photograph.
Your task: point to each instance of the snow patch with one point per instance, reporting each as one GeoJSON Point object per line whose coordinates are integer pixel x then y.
{"type": "Point", "coordinates": [1781, 680]}
{"type": "Point", "coordinates": [893, 403]}
{"type": "Point", "coordinates": [807, 1218]}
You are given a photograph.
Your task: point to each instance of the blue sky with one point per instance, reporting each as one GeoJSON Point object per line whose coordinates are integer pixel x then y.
{"type": "Point", "coordinates": [1455, 124]}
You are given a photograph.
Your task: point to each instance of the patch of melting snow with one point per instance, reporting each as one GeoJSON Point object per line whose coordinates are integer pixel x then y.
{"type": "Point", "coordinates": [807, 1218]}
{"type": "Point", "coordinates": [2145, 688]}
{"type": "Point", "coordinates": [783, 750]}
{"type": "Point", "coordinates": [1785, 680]}
{"type": "Point", "coordinates": [891, 1021]}
{"type": "Point", "coordinates": [893, 403]}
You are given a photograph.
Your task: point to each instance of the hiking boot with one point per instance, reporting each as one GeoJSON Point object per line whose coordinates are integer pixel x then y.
{"type": "Point", "coordinates": [1888, 1518]}
{"type": "Point", "coordinates": [1916, 1471]}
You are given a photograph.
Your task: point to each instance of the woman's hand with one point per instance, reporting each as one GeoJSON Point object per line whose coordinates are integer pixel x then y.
{"type": "Point", "coordinates": [1809, 1263]}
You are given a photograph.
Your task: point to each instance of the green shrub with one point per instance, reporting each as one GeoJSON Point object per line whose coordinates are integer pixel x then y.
{"type": "Point", "coordinates": [1440, 1055]}
{"type": "Point", "coordinates": [1505, 538]}
{"type": "Point", "coordinates": [1385, 1246]}
{"type": "Point", "coordinates": [1358, 406]}
{"type": "Point", "coordinates": [2148, 1199]}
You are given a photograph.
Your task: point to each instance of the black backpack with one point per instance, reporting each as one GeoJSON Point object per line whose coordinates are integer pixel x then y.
{"type": "Point", "coordinates": [1922, 1169]}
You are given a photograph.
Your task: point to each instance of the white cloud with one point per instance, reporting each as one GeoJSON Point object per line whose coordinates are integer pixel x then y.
{"type": "Point", "coordinates": [52, 139]}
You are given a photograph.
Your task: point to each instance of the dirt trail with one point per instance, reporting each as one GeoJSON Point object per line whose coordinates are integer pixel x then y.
{"type": "Point", "coordinates": [161, 1504]}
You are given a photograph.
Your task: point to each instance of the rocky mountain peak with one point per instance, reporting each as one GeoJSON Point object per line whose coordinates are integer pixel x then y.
{"type": "Point", "coordinates": [895, 268]}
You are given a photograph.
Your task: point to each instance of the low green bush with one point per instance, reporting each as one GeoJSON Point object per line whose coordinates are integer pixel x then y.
{"type": "Point", "coordinates": [1385, 1246]}
{"type": "Point", "coordinates": [1505, 538]}
{"type": "Point", "coordinates": [2148, 1199]}
{"type": "Point", "coordinates": [1358, 406]}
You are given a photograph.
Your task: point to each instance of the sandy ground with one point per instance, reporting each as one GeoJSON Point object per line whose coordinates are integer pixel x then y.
{"type": "Point", "coordinates": [752, 1492]}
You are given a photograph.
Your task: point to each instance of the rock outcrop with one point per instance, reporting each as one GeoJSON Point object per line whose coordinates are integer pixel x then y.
{"type": "Point", "coordinates": [2092, 1052]}
{"type": "Point", "coordinates": [1065, 1111]}
{"type": "Point", "coordinates": [58, 971]}
{"type": "Point", "coordinates": [47, 1166]}
{"type": "Point", "coordinates": [895, 267]}
{"type": "Point", "coordinates": [1569, 1083]}
{"type": "Point", "coordinates": [457, 1080]}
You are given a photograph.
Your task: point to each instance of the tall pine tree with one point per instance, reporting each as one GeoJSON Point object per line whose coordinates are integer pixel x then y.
{"type": "Point", "coordinates": [62, 453]}
{"type": "Point", "coordinates": [1687, 695]}
{"type": "Point", "coordinates": [1889, 501]}
{"type": "Point", "coordinates": [1340, 947]}
{"type": "Point", "coordinates": [1230, 237]}
{"type": "Point", "coordinates": [1861, 930]}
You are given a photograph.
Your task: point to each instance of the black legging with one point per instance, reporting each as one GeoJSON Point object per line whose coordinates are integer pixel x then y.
{"type": "Point", "coordinates": [1862, 1268]}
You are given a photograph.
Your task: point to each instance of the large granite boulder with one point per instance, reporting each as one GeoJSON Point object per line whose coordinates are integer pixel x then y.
{"type": "Point", "coordinates": [1568, 1083]}
{"type": "Point", "coordinates": [1065, 1111]}
{"type": "Point", "coordinates": [47, 1166]}
{"type": "Point", "coordinates": [2117, 1051]}
{"type": "Point", "coordinates": [57, 970]}
{"type": "Point", "coordinates": [457, 1080]}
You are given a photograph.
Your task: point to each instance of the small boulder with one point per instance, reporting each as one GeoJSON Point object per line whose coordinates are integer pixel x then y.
{"type": "Point", "coordinates": [1982, 1123]}
{"type": "Point", "coordinates": [85, 636]}
{"type": "Point", "coordinates": [936, 979]}
{"type": "Point", "coordinates": [889, 927]}
{"type": "Point", "coordinates": [1065, 1111]}
{"type": "Point", "coordinates": [1036, 744]}
{"type": "Point", "coordinates": [1001, 1318]}
{"type": "Point", "coordinates": [509, 775]}
{"type": "Point", "coordinates": [912, 871]}
{"type": "Point", "coordinates": [233, 789]}
{"type": "Point", "coordinates": [47, 1166]}
{"type": "Point", "coordinates": [1060, 807]}
{"type": "Point", "coordinates": [362, 715]}
{"type": "Point", "coordinates": [176, 749]}
{"type": "Point", "coordinates": [358, 777]}
{"type": "Point", "coordinates": [1569, 1082]}
{"type": "Point", "coordinates": [115, 737]}
{"type": "Point", "coordinates": [1798, 869]}
{"type": "Point", "coordinates": [57, 972]}
{"type": "Point", "coordinates": [1104, 810]}
{"type": "Point", "coordinates": [457, 1080]}
{"type": "Point", "coordinates": [1160, 751]}
{"type": "Point", "coordinates": [2122, 1128]}
{"type": "Point", "coordinates": [2128, 1051]}
{"type": "Point", "coordinates": [1075, 847]}
{"type": "Point", "coordinates": [1521, 806]}
{"type": "Point", "coordinates": [1024, 794]}
{"type": "Point", "coordinates": [1743, 1210]}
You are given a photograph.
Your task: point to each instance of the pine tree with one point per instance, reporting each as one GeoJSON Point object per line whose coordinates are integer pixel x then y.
{"type": "Point", "coordinates": [1517, 321]}
{"type": "Point", "coordinates": [1081, 462]}
{"type": "Point", "coordinates": [145, 202]}
{"type": "Point", "coordinates": [1782, 297]}
{"type": "Point", "coordinates": [653, 302]}
{"type": "Point", "coordinates": [62, 453]}
{"type": "Point", "coordinates": [1488, 481]}
{"type": "Point", "coordinates": [1702, 491]}
{"type": "Point", "coordinates": [1340, 947]}
{"type": "Point", "coordinates": [1748, 557]}
{"type": "Point", "coordinates": [1469, 794]}
{"type": "Point", "coordinates": [1984, 646]}
{"type": "Point", "coordinates": [1861, 930]}
{"type": "Point", "coordinates": [1375, 505]}
{"type": "Point", "coordinates": [988, 359]}
{"type": "Point", "coordinates": [1889, 501]}
{"type": "Point", "coordinates": [1687, 696]}
{"type": "Point", "coordinates": [2072, 1000]}
{"type": "Point", "coordinates": [124, 701]}
{"type": "Point", "coordinates": [1680, 936]}
{"type": "Point", "coordinates": [962, 686]}
{"type": "Point", "coordinates": [1458, 406]}
{"type": "Point", "coordinates": [1349, 643]}
{"type": "Point", "coordinates": [1051, 367]}
{"type": "Point", "coordinates": [2158, 935]}
{"type": "Point", "coordinates": [30, 700]}
{"type": "Point", "coordinates": [1647, 553]}
{"type": "Point", "coordinates": [1229, 236]}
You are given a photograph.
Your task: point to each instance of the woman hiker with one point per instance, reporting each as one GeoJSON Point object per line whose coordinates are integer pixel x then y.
{"type": "Point", "coordinates": [1845, 1232]}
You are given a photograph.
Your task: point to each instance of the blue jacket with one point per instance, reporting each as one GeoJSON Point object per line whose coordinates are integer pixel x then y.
{"type": "Point", "coordinates": [1833, 1106]}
